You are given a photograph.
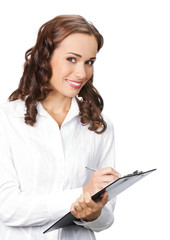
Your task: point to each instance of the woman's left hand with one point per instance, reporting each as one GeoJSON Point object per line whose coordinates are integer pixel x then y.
{"type": "Point", "coordinates": [86, 208]}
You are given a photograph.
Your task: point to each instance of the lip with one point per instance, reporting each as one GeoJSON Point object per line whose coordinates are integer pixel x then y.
{"type": "Point", "coordinates": [74, 84]}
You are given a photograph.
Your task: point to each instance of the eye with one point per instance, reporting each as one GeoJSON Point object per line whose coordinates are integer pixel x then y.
{"type": "Point", "coordinates": [71, 59]}
{"type": "Point", "coordinates": [90, 62]}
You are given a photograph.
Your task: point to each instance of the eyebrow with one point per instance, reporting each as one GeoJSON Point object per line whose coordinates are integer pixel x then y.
{"type": "Point", "coordinates": [78, 55]}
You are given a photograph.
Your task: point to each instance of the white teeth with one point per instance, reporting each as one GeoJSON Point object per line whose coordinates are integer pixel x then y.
{"type": "Point", "coordinates": [76, 84]}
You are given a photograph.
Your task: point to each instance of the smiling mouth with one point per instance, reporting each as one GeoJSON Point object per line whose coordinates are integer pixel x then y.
{"type": "Point", "coordinates": [74, 84]}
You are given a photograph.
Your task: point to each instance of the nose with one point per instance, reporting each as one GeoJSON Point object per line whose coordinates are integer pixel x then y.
{"type": "Point", "coordinates": [80, 71]}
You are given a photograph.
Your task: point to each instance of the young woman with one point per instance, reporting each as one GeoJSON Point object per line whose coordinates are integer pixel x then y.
{"type": "Point", "coordinates": [52, 133]}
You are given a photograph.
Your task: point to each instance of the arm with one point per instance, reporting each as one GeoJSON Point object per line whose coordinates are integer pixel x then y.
{"type": "Point", "coordinates": [18, 208]}
{"type": "Point", "coordinates": [98, 215]}
{"type": "Point", "coordinates": [101, 216]}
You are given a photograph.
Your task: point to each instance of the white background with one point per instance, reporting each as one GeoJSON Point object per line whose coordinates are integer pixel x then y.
{"type": "Point", "coordinates": [132, 73]}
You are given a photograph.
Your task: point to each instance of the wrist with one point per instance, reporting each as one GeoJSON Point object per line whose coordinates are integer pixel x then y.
{"type": "Point", "coordinates": [92, 216]}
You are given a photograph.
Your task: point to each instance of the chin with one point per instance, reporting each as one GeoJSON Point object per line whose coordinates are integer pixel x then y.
{"type": "Point", "coordinates": [72, 94]}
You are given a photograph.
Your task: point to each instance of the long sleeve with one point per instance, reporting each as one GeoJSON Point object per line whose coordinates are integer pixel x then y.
{"type": "Point", "coordinates": [43, 170]}
{"type": "Point", "coordinates": [106, 157]}
{"type": "Point", "coordinates": [104, 221]}
{"type": "Point", "coordinates": [19, 208]}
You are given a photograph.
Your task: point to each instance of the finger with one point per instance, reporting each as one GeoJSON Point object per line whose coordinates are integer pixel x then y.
{"type": "Point", "coordinates": [110, 171]}
{"type": "Point", "coordinates": [76, 213]}
{"type": "Point", "coordinates": [72, 207]}
{"type": "Point", "coordinates": [77, 207]}
{"type": "Point", "coordinates": [108, 178]}
{"type": "Point", "coordinates": [89, 202]}
{"type": "Point", "coordinates": [79, 202]}
{"type": "Point", "coordinates": [82, 202]}
{"type": "Point", "coordinates": [73, 210]}
{"type": "Point", "coordinates": [105, 197]}
{"type": "Point", "coordinates": [89, 206]}
{"type": "Point", "coordinates": [83, 206]}
{"type": "Point", "coordinates": [80, 209]}
{"type": "Point", "coordinates": [87, 199]}
{"type": "Point", "coordinates": [104, 200]}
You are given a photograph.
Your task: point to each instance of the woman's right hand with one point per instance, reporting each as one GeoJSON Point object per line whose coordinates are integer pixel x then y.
{"type": "Point", "coordinates": [100, 178]}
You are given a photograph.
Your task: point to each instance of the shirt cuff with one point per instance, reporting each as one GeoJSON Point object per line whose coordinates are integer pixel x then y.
{"type": "Point", "coordinates": [104, 221]}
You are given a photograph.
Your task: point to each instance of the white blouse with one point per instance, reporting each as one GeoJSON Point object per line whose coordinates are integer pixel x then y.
{"type": "Point", "coordinates": [43, 170]}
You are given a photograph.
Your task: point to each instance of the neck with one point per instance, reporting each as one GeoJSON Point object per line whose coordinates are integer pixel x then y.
{"type": "Point", "coordinates": [56, 103]}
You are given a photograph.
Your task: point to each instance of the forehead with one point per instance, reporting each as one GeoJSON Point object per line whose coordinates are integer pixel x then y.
{"type": "Point", "coordinates": [80, 43]}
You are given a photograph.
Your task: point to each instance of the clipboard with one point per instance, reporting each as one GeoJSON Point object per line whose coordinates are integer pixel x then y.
{"type": "Point", "coordinates": [114, 188]}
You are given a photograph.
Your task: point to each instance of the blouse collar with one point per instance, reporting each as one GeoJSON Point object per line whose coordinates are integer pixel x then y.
{"type": "Point", "coordinates": [20, 109]}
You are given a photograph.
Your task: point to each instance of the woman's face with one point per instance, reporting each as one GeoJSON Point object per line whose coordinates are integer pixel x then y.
{"type": "Point", "coordinates": [72, 63]}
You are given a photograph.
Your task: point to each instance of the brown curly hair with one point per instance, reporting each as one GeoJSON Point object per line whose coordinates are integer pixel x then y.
{"type": "Point", "coordinates": [34, 84]}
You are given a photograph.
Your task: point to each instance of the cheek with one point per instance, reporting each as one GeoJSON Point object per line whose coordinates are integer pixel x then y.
{"type": "Point", "coordinates": [89, 73]}
{"type": "Point", "coordinates": [60, 72]}
{"type": "Point", "coordinates": [89, 76]}
{"type": "Point", "coordinates": [60, 68]}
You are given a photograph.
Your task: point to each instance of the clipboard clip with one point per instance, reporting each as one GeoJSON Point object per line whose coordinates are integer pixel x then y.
{"type": "Point", "coordinates": [134, 173]}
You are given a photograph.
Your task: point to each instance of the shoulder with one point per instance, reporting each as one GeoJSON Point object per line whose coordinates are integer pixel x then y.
{"type": "Point", "coordinates": [12, 116]}
{"type": "Point", "coordinates": [107, 135]}
{"type": "Point", "coordinates": [12, 108]}
{"type": "Point", "coordinates": [110, 126]}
